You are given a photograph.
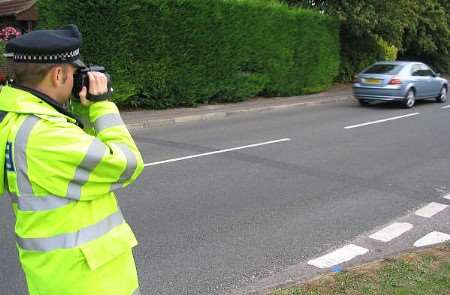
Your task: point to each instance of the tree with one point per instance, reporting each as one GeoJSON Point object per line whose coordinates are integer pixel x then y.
{"type": "Point", "coordinates": [428, 38]}
{"type": "Point", "coordinates": [418, 29]}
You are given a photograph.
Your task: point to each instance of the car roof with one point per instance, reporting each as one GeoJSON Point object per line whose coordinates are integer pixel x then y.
{"type": "Point", "coordinates": [400, 63]}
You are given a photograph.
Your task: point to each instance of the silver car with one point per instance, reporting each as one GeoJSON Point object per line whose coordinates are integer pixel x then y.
{"type": "Point", "coordinates": [399, 81]}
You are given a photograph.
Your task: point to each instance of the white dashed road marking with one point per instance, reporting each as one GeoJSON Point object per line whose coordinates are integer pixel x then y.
{"type": "Point", "coordinates": [447, 197]}
{"type": "Point", "coordinates": [431, 209]}
{"type": "Point", "coordinates": [432, 238]}
{"type": "Point", "coordinates": [446, 107]}
{"type": "Point", "coordinates": [381, 121]}
{"type": "Point", "coordinates": [391, 232]}
{"type": "Point", "coordinates": [217, 152]}
{"type": "Point", "coordinates": [339, 256]}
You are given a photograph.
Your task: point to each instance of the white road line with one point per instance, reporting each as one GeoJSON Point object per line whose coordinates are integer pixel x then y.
{"type": "Point", "coordinates": [391, 232]}
{"type": "Point", "coordinates": [339, 256]}
{"type": "Point", "coordinates": [432, 238]}
{"type": "Point", "coordinates": [447, 197]}
{"type": "Point", "coordinates": [381, 121]}
{"type": "Point", "coordinates": [217, 152]}
{"type": "Point", "coordinates": [445, 107]}
{"type": "Point", "coordinates": [431, 209]}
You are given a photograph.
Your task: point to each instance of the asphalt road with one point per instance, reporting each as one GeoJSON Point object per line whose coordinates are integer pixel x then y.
{"type": "Point", "coordinates": [223, 220]}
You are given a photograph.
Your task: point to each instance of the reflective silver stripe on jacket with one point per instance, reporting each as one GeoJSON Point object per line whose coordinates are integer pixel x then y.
{"type": "Point", "coordinates": [20, 157]}
{"type": "Point", "coordinates": [93, 157]}
{"type": "Point", "coordinates": [34, 203]}
{"type": "Point", "coordinates": [13, 197]}
{"type": "Point", "coordinates": [27, 200]}
{"type": "Point", "coordinates": [131, 162]}
{"type": "Point", "coordinates": [136, 292]}
{"type": "Point", "coordinates": [108, 121]}
{"type": "Point", "coordinates": [72, 240]}
{"type": "Point", "coordinates": [130, 168]}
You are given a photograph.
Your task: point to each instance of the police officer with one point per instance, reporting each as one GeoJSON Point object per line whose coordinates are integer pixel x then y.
{"type": "Point", "coordinates": [71, 235]}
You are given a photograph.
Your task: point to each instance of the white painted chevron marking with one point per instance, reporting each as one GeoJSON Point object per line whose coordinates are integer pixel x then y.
{"type": "Point", "coordinates": [339, 256]}
{"type": "Point", "coordinates": [391, 232]}
{"type": "Point", "coordinates": [431, 209]}
{"type": "Point", "coordinates": [432, 238]}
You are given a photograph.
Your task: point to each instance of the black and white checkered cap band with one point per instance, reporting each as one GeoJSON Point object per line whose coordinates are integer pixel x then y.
{"type": "Point", "coordinates": [43, 58]}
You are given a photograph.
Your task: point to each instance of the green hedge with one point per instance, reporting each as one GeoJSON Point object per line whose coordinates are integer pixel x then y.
{"type": "Point", "coordinates": [359, 53]}
{"type": "Point", "coordinates": [166, 53]}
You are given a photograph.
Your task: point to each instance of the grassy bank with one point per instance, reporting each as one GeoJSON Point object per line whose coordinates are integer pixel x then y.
{"type": "Point", "coordinates": [425, 272]}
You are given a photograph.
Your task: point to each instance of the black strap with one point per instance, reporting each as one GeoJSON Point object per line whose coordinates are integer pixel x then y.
{"type": "Point", "coordinates": [2, 115]}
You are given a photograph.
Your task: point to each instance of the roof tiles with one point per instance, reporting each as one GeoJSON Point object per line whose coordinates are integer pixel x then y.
{"type": "Point", "coordinates": [14, 7]}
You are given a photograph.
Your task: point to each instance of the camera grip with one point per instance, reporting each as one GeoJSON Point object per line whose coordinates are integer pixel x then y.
{"type": "Point", "coordinates": [81, 80]}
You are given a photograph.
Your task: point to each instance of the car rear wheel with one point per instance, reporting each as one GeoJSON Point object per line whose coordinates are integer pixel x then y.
{"type": "Point", "coordinates": [442, 97]}
{"type": "Point", "coordinates": [363, 102]}
{"type": "Point", "coordinates": [410, 99]}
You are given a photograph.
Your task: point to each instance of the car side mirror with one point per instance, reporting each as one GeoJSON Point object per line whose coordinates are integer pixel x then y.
{"type": "Point", "coordinates": [437, 75]}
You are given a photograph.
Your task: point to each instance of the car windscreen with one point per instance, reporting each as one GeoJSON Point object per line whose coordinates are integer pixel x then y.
{"type": "Point", "coordinates": [387, 69]}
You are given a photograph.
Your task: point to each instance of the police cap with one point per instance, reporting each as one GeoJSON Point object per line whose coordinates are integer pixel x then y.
{"type": "Point", "coordinates": [47, 46]}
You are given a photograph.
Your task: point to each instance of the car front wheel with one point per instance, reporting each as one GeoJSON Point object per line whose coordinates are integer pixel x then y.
{"type": "Point", "coordinates": [410, 99]}
{"type": "Point", "coordinates": [442, 97]}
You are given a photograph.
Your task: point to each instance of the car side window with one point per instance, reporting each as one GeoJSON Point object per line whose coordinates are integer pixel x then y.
{"type": "Point", "coordinates": [415, 70]}
{"type": "Point", "coordinates": [426, 71]}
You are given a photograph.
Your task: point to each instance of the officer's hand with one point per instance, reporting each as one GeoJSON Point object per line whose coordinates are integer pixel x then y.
{"type": "Point", "coordinates": [84, 101]}
{"type": "Point", "coordinates": [98, 85]}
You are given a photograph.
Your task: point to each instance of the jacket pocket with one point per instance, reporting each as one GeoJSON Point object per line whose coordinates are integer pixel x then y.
{"type": "Point", "coordinates": [111, 245]}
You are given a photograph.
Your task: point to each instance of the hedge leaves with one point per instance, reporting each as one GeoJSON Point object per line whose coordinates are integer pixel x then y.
{"type": "Point", "coordinates": [166, 53]}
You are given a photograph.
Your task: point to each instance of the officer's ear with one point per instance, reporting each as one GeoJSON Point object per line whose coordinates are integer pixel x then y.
{"type": "Point", "coordinates": [58, 75]}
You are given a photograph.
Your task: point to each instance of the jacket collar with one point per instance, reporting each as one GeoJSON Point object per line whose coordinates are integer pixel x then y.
{"type": "Point", "coordinates": [24, 100]}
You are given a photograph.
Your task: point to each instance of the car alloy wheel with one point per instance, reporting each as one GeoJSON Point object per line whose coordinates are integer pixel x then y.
{"type": "Point", "coordinates": [443, 95]}
{"type": "Point", "coordinates": [410, 99]}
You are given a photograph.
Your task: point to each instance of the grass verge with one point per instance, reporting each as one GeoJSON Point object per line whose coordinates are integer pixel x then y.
{"type": "Point", "coordinates": [424, 272]}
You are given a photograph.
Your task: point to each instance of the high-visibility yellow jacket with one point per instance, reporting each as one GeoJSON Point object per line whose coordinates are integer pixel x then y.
{"type": "Point", "coordinates": [71, 235]}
